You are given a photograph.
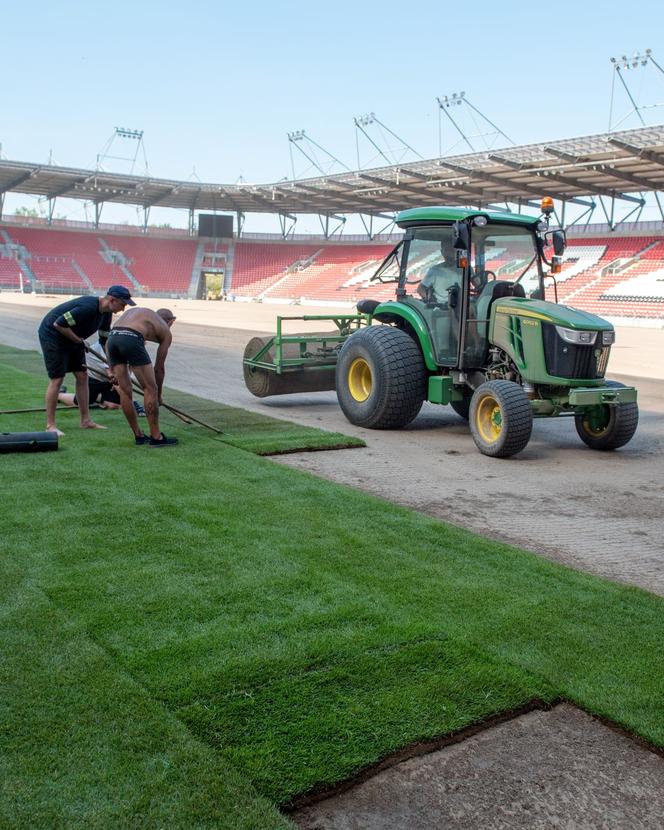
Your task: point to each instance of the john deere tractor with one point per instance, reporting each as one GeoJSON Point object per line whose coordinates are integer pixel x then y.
{"type": "Point", "coordinates": [469, 327]}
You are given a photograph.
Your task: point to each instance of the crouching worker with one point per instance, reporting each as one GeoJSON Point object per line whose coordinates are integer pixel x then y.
{"type": "Point", "coordinates": [101, 386]}
{"type": "Point", "coordinates": [125, 348]}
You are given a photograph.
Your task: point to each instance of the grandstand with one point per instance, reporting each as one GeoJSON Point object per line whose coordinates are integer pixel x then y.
{"type": "Point", "coordinates": [621, 275]}
{"type": "Point", "coordinates": [615, 270]}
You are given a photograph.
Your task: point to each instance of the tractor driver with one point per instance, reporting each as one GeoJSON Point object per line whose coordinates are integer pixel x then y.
{"type": "Point", "coordinates": [442, 277]}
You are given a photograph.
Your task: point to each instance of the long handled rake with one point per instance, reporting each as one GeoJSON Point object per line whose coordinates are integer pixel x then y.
{"type": "Point", "coordinates": [179, 413]}
{"type": "Point", "coordinates": [36, 409]}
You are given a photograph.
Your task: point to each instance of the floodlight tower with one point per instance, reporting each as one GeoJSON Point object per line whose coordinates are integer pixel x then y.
{"type": "Point", "coordinates": [121, 134]}
{"type": "Point", "coordinates": [447, 105]}
{"type": "Point", "coordinates": [369, 120]}
{"type": "Point", "coordinates": [624, 66]}
{"type": "Point", "coordinates": [298, 139]}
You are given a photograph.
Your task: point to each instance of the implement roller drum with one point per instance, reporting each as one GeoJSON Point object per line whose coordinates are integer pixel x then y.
{"type": "Point", "coordinates": [263, 382]}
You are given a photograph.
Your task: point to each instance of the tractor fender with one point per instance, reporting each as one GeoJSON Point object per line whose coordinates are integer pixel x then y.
{"type": "Point", "coordinates": [405, 317]}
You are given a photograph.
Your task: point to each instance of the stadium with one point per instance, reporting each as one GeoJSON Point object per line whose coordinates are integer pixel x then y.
{"type": "Point", "coordinates": [615, 269]}
{"type": "Point", "coordinates": [293, 619]}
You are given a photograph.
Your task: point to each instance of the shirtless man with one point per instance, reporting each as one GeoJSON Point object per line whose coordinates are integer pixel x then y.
{"type": "Point", "coordinates": [125, 348]}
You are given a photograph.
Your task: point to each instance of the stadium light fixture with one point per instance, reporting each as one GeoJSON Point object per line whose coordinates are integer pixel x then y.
{"type": "Point", "coordinates": [450, 100]}
{"type": "Point", "coordinates": [637, 59]}
{"type": "Point", "coordinates": [620, 65]}
{"type": "Point", "coordinates": [122, 132]}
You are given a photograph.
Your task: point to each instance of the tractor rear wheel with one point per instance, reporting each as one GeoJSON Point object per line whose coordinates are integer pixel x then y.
{"type": "Point", "coordinates": [501, 418]}
{"type": "Point", "coordinates": [608, 427]}
{"type": "Point", "coordinates": [381, 378]}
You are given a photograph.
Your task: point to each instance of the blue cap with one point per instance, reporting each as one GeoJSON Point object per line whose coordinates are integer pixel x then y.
{"type": "Point", "coordinates": [120, 293]}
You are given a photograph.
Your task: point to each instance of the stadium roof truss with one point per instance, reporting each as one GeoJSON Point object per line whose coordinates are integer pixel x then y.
{"type": "Point", "coordinates": [619, 167]}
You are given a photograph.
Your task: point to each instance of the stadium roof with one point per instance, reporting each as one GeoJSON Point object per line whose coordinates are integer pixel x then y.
{"type": "Point", "coordinates": [616, 165]}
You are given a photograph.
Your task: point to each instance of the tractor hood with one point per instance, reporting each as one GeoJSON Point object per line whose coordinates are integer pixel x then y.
{"type": "Point", "coordinates": [559, 315]}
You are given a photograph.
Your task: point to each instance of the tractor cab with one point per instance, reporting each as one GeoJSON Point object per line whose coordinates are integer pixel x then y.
{"type": "Point", "coordinates": [451, 271]}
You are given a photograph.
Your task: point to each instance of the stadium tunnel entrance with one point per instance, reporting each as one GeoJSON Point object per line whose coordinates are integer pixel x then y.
{"type": "Point", "coordinates": [210, 285]}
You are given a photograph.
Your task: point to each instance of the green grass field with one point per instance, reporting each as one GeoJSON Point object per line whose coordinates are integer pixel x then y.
{"type": "Point", "coordinates": [192, 637]}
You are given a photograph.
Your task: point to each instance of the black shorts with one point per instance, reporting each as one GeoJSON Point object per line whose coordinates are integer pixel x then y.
{"type": "Point", "coordinates": [102, 390]}
{"type": "Point", "coordinates": [62, 356]}
{"type": "Point", "coordinates": [127, 346]}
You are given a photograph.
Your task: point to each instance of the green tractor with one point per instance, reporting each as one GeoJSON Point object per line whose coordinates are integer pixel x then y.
{"type": "Point", "coordinates": [469, 327]}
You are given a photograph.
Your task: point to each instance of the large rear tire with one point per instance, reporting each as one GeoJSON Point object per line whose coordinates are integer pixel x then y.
{"type": "Point", "coordinates": [381, 378]}
{"type": "Point", "coordinates": [501, 418]}
{"type": "Point", "coordinates": [608, 427]}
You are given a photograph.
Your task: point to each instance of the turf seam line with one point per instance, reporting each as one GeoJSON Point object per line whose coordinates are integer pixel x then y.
{"type": "Point", "coordinates": [321, 669]}
{"type": "Point", "coordinates": [123, 670]}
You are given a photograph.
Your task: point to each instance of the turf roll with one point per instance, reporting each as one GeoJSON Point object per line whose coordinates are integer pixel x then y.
{"type": "Point", "coordinates": [28, 441]}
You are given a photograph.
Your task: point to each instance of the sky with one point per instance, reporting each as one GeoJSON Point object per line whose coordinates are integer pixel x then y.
{"type": "Point", "coordinates": [217, 86]}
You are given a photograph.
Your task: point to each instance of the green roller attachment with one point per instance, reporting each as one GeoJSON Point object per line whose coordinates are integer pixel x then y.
{"type": "Point", "coordinates": [288, 363]}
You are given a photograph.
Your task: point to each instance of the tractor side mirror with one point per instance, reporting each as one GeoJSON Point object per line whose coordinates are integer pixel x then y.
{"type": "Point", "coordinates": [558, 239]}
{"type": "Point", "coordinates": [461, 236]}
{"type": "Point", "coordinates": [559, 242]}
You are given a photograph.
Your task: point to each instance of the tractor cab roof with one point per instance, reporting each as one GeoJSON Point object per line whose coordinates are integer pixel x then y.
{"type": "Point", "coordinates": [447, 215]}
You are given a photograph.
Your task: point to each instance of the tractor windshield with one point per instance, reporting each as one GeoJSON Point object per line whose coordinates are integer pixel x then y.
{"type": "Point", "coordinates": [503, 263]}
{"type": "Point", "coordinates": [504, 253]}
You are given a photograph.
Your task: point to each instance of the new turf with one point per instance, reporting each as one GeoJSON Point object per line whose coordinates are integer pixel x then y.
{"type": "Point", "coordinates": [249, 431]}
{"type": "Point", "coordinates": [193, 634]}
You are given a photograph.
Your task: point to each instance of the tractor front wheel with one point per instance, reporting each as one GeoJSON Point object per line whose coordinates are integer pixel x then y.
{"type": "Point", "coordinates": [608, 427]}
{"type": "Point", "coordinates": [381, 378]}
{"type": "Point", "coordinates": [501, 418]}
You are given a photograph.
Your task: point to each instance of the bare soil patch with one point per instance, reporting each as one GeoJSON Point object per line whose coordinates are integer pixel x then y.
{"type": "Point", "coordinates": [544, 769]}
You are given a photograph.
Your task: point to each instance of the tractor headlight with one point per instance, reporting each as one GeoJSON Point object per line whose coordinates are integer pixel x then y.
{"type": "Point", "coordinates": [578, 338]}
{"type": "Point", "coordinates": [608, 338]}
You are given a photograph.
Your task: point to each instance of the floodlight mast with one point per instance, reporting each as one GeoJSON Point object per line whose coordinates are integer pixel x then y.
{"type": "Point", "coordinates": [131, 135]}
{"type": "Point", "coordinates": [298, 137]}
{"type": "Point", "coordinates": [368, 120]}
{"type": "Point", "coordinates": [456, 99]}
{"type": "Point", "coordinates": [625, 64]}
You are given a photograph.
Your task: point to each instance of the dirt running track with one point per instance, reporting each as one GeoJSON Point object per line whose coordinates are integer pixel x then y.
{"type": "Point", "coordinates": [599, 512]}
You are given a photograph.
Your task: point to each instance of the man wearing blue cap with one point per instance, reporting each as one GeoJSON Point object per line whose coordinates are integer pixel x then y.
{"type": "Point", "coordinates": [62, 333]}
